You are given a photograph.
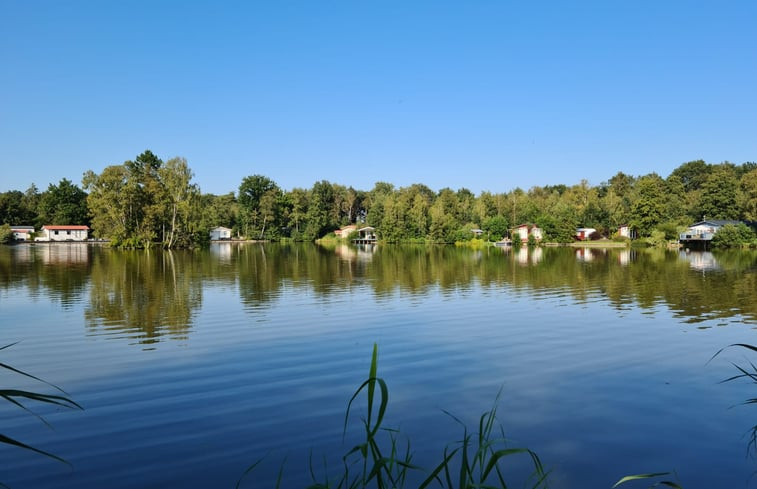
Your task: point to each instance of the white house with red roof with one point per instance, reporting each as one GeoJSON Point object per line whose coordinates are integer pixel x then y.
{"type": "Point", "coordinates": [345, 231]}
{"type": "Point", "coordinates": [22, 233]}
{"type": "Point", "coordinates": [64, 233]}
{"type": "Point", "coordinates": [525, 230]}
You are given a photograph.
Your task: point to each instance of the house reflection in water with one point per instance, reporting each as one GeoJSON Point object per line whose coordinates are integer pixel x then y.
{"type": "Point", "coordinates": [526, 255]}
{"type": "Point", "coordinates": [700, 260]}
{"type": "Point", "coordinates": [363, 252]}
{"type": "Point", "coordinates": [590, 254]}
{"type": "Point", "coordinates": [221, 250]}
{"type": "Point", "coordinates": [63, 253]}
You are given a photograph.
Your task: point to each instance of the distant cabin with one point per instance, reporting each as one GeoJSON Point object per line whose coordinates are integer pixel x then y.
{"type": "Point", "coordinates": [345, 231]}
{"type": "Point", "coordinates": [22, 233]}
{"type": "Point", "coordinates": [625, 231]}
{"type": "Point", "coordinates": [220, 233]}
{"type": "Point", "coordinates": [702, 232]}
{"type": "Point", "coordinates": [525, 230]}
{"type": "Point", "coordinates": [366, 235]}
{"type": "Point", "coordinates": [477, 232]}
{"type": "Point", "coordinates": [64, 233]}
{"type": "Point", "coordinates": [584, 234]}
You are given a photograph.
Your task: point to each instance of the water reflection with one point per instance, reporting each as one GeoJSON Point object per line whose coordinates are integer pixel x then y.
{"type": "Point", "coordinates": [59, 272]}
{"type": "Point", "coordinates": [700, 260]}
{"type": "Point", "coordinates": [222, 250]}
{"type": "Point", "coordinates": [146, 295]}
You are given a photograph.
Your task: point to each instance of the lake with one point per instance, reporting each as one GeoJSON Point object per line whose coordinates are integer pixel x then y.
{"type": "Point", "coordinates": [191, 366]}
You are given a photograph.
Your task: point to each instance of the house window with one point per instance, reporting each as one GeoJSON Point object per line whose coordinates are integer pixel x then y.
{"type": "Point", "coordinates": [68, 233]}
{"type": "Point", "coordinates": [56, 233]}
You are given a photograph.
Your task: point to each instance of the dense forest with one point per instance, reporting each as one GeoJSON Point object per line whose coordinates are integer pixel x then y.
{"type": "Point", "coordinates": [148, 201]}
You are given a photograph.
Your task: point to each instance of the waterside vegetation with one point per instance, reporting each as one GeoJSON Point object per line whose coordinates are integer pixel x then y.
{"type": "Point", "coordinates": [148, 201]}
{"type": "Point", "coordinates": [480, 459]}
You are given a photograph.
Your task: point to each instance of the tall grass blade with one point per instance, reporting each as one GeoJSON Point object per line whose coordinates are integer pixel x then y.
{"type": "Point", "coordinates": [10, 441]}
{"type": "Point", "coordinates": [655, 475]}
{"type": "Point", "coordinates": [248, 470]}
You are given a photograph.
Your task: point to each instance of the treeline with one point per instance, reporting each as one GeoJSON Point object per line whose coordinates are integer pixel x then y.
{"type": "Point", "coordinates": [150, 201]}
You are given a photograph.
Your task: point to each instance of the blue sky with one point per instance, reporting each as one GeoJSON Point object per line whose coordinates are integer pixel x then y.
{"type": "Point", "coordinates": [487, 95]}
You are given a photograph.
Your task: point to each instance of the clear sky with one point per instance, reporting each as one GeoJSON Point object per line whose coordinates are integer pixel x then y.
{"type": "Point", "coordinates": [487, 95]}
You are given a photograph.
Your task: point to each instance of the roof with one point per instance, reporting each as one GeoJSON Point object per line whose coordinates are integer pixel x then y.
{"type": "Point", "coordinates": [25, 228]}
{"type": "Point", "coordinates": [65, 228]}
{"type": "Point", "coordinates": [220, 227]}
{"type": "Point", "coordinates": [367, 228]}
{"type": "Point", "coordinates": [716, 222]}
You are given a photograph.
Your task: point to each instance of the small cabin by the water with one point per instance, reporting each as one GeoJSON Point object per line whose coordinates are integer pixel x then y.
{"type": "Point", "coordinates": [525, 230]}
{"type": "Point", "coordinates": [583, 234]}
{"type": "Point", "coordinates": [704, 230]}
{"type": "Point", "coordinates": [64, 233]}
{"type": "Point", "coordinates": [220, 233]}
{"type": "Point", "coordinates": [366, 235]}
{"type": "Point", "coordinates": [22, 233]}
{"type": "Point", "coordinates": [626, 231]}
{"type": "Point", "coordinates": [700, 234]}
{"type": "Point", "coordinates": [345, 231]}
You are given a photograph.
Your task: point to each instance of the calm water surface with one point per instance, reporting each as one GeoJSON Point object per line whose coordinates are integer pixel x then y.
{"type": "Point", "coordinates": [193, 365]}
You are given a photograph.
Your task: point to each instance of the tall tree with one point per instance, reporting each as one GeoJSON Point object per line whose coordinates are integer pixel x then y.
{"type": "Point", "coordinates": [64, 203]}
{"type": "Point", "coordinates": [721, 194]}
{"type": "Point", "coordinates": [749, 195]}
{"type": "Point", "coordinates": [693, 174]}
{"type": "Point", "coordinates": [179, 194]}
{"type": "Point", "coordinates": [109, 203]}
{"type": "Point", "coordinates": [251, 190]}
{"type": "Point", "coordinates": [649, 204]}
{"type": "Point", "coordinates": [318, 217]}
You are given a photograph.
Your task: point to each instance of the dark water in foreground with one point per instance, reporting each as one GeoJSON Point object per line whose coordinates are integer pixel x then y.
{"type": "Point", "coordinates": [192, 365]}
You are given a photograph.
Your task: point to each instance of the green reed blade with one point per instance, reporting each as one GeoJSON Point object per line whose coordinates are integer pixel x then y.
{"type": "Point", "coordinates": [10, 441]}
{"type": "Point", "coordinates": [629, 478]}
{"type": "Point", "coordinates": [21, 372]}
{"type": "Point", "coordinates": [434, 475]}
{"type": "Point", "coordinates": [35, 396]}
{"type": "Point", "coordinates": [247, 471]}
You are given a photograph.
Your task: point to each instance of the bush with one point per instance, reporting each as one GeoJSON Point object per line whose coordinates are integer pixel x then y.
{"type": "Point", "coordinates": [656, 239]}
{"type": "Point", "coordinates": [733, 236]}
{"type": "Point", "coordinates": [6, 234]}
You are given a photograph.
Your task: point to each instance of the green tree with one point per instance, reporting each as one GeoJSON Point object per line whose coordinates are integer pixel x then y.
{"type": "Point", "coordinates": [749, 195]}
{"type": "Point", "coordinates": [6, 234]}
{"type": "Point", "coordinates": [443, 212]}
{"type": "Point", "coordinates": [496, 227]}
{"type": "Point", "coordinates": [11, 208]}
{"type": "Point", "coordinates": [219, 210]}
{"type": "Point", "coordinates": [64, 203]}
{"type": "Point", "coordinates": [374, 203]}
{"type": "Point", "coordinates": [649, 203]}
{"type": "Point", "coordinates": [721, 194]}
{"type": "Point", "coordinates": [692, 174]}
{"type": "Point", "coordinates": [109, 203]}
{"type": "Point", "coordinates": [318, 217]}
{"type": "Point", "coordinates": [297, 204]}
{"type": "Point", "coordinates": [179, 194]}
{"type": "Point", "coordinates": [251, 190]}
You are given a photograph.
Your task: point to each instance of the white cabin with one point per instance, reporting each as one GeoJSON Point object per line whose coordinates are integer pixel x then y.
{"type": "Point", "coordinates": [22, 233]}
{"type": "Point", "coordinates": [64, 233]}
{"type": "Point", "coordinates": [220, 233]}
